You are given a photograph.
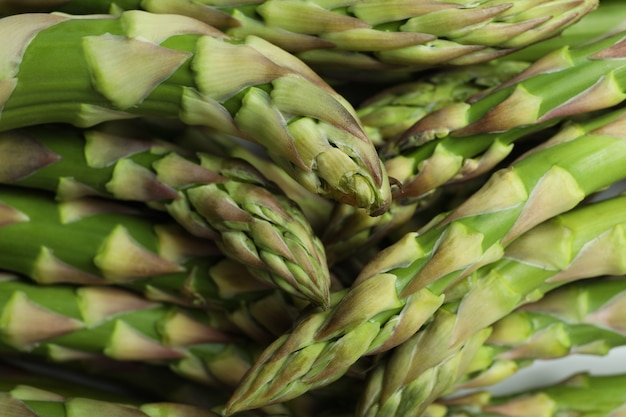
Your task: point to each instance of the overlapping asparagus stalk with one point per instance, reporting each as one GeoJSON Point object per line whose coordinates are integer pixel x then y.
{"type": "Point", "coordinates": [462, 140]}
{"type": "Point", "coordinates": [219, 198]}
{"type": "Point", "coordinates": [69, 323]}
{"type": "Point", "coordinates": [583, 395]}
{"type": "Point", "coordinates": [376, 35]}
{"type": "Point", "coordinates": [580, 318]}
{"type": "Point", "coordinates": [399, 290]}
{"type": "Point", "coordinates": [583, 243]}
{"type": "Point", "coordinates": [105, 243]}
{"type": "Point", "coordinates": [171, 66]}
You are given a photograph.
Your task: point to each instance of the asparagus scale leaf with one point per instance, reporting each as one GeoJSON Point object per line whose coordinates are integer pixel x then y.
{"type": "Point", "coordinates": [399, 290]}
{"type": "Point", "coordinates": [170, 66]}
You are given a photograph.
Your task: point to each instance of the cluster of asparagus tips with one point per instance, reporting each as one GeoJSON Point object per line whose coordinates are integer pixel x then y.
{"type": "Point", "coordinates": [400, 289]}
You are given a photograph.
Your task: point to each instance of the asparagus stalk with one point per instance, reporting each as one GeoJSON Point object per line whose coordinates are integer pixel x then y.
{"type": "Point", "coordinates": [377, 35]}
{"type": "Point", "coordinates": [579, 318]}
{"type": "Point", "coordinates": [462, 140]}
{"type": "Point", "coordinates": [223, 199]}
{"type": "Point", "coordinates": [106, 243]}
{"type": "Point", "coordinates": [400, 289]}
{"type": "Point", "coordinates": [583, 394]}
{"type": "Point", "coordinates": [170, 66]}
{"type": "Point", "coordinates": [583, 243]}
{"type": "Point", "coordinates": [388, 114]}
{"type": "Point", "coordinates": [68, 323]}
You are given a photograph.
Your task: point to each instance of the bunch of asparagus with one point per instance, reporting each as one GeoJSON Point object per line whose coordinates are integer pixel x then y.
{"type": "Point", "coordinates": [309, 207]}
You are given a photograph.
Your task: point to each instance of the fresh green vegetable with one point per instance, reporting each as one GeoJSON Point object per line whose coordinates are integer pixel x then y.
{"type": "Point", "coordinates": [583, 394]}
{"type": "Point", "coordinates": [462, 140]}
{"type": "Point", "coordinates": [168, 66]}
{"type": "Point", "coordinates": [219, 198]}
{"type": "Point", "coordinates": [370, 36]}
{"type": "Point", "coordinates": [579, 243]}
{"type": "Point", "coordinates": [400, 289]}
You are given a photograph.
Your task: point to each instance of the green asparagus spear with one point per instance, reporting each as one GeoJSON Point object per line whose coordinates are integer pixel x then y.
{"type": "Point", "coordinates": [579, 318]}
{"type": "Point", "coordinates": [69, 323]}
{"type": "Point", "coordinates": [96, 242]}
{"type": "Point", "coordinates": [223, 199]}
{"type": "Point", "coordinates": [582, 395]}
{"type": "Point", "coordinates": [398, 291]}
{"type": "Point", "coordinates": [462, 140]}
{"type": "Point", "coordinates": [583, 243]}
{"type": "Point", "coordinates": [376, 35]}
{"type": "Point", "coordinates": [169, 66]}
{"type": "Point", "coordinates": [392, 111]}
{"type": "Point", "coordinates": [388, 114]}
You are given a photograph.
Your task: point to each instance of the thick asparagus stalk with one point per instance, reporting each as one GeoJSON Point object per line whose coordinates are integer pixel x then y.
{"type": "Point", "coordinates": [583, 395]}
{"type": "Point", "coordinates": [462, 140]}
{"type": "Point", "coordinates": [398, 291]}
{"type": "Point", "coordinates": [580, 318]}
{"type": "Point", "coordinates": [169, 66]}
{"type": "Point", "coordinates": [584, 243]}
{"type": "Point", "coordinates": [376, 35]}
{"type": "Point", "coordinates": [69, 323]}
{"type": "Point", "coordinates": [223, 199]}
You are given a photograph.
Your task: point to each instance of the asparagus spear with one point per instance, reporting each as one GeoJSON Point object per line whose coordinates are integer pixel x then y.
{"type": "Point", "coordinates": [375, 35]}
{"type": "Point", "coordinates": [399, 290]}
{"type": "Point", "coordinates": [69, 323]}
{"type": "Point", "coordinates": [169, 66]}
{"type": "Point", "coordinates": [581, 317]}
{"type": "Point", "coordinates": [223, 199]}
{"type": "Point", "coordinates": [462, 140]}
{"type": "Point", "coordinates": [583, 395]}
{"type": "Point", "coordinates": [388, 114]}
{"type": "Point", "coordinates": [107, 243]}
{"type": "Point", "coordinates": [583, 243]}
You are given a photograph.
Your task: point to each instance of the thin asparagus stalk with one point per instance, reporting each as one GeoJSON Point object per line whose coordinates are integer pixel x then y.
{"type": "Point", "coordinates": [586, 242]}
{"type": "Point", "coordinates": [400, 289]}
{"type": "Point", "coordinates": [579, 318]}
{"type": "Point", "coordinates": [337, 37]}
{"type": "Point", "coordinates": [68, 323]}
{"type": "Point", "coordinates": [219, 198]}
{"type": "Point", "coordinates": [583, 395]}
{"type": "Point", "coordinates": [462, 140]}
{"type": "Point", "coordinates": [172, 66]}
